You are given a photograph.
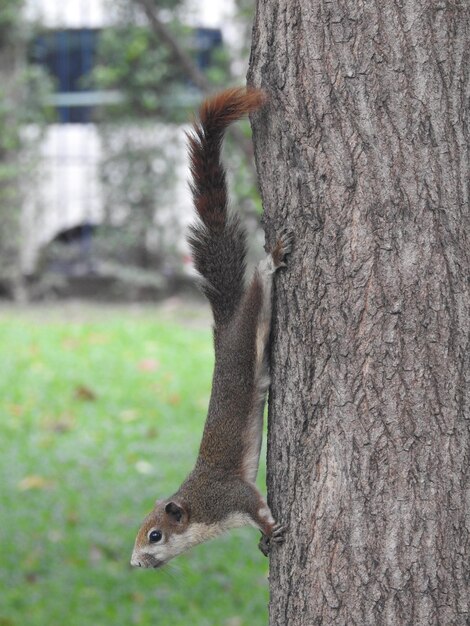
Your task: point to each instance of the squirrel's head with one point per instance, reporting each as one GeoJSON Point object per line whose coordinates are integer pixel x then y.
{"type": "Point", "coordinates": [163, 535]}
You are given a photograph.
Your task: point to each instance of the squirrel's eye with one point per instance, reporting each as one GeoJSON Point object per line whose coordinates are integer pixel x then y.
{"type": "Point", "coordinates": [155, 536]}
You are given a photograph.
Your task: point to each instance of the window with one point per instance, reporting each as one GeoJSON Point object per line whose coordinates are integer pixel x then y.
{"type": "Point", "coordinates": [207, 39]}
{"type": "Point", "coordinates": [69, 55]}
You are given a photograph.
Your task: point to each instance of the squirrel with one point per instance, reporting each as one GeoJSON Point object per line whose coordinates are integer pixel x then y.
{"type": "Point", "coordinates": [220, 493]}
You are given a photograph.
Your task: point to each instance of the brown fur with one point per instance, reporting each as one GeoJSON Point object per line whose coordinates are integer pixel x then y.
{"type": "Point", "coordinates": [217, 239]}
{"type": "Point", "coordinates": [220, 492]}
{"type": "Point", "coordinates": [208, 175]}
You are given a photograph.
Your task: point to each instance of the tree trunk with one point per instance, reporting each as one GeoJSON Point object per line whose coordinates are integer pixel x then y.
{"type": "Point", "coordinates": [363, 152]}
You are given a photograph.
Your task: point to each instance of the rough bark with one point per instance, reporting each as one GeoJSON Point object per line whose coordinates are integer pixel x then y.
{"type": "Point", "coordinates": [364, 153]}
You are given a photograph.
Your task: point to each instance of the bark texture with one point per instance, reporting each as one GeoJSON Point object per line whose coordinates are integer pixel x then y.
{"type": "Point", "coordinates": [364, 152]}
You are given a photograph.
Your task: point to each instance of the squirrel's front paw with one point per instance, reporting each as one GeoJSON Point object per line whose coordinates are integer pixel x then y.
{"type": "Point", "coordinates": [276, 536]}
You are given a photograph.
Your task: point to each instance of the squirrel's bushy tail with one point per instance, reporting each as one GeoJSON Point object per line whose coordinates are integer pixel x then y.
{"type": "Point", "coordinates": [218, 240]}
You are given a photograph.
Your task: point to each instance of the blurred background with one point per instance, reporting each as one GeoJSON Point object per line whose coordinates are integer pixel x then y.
{"type": "Point", "coordinates": [96, 97]}
{"type": "Point", "coordinates": [107, 356]}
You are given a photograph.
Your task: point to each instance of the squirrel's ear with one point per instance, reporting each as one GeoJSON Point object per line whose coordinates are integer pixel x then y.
{"type": "Point", "coordinates": [175, 511]}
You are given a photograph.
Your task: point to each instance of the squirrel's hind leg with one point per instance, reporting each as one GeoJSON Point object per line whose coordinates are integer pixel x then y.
{"type": "Point", "coordinates": [257, 303]}
{"type": "Point", "coordinates": [264, 274]}
{"type": "Point", "coordinates": [271, 531]}
{"type": "Point", "coordinates": [282, 247]}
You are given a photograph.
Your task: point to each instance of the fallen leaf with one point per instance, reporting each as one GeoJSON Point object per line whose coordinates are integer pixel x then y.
{"type": "Point", "coordinates": [46, 441]}
{"type": "Point", "coordinates": [72, 518]}
{"type": "Point", "coordinates": [144, 467]}
{"type": "Point", "coordinates": [34, 482]}
{"type": "Point", "coordinates": [84, 393]}
{"type": "Point", "coordinates": [128, 415]}
{"type": "Point", "coordinates": [148, 365]}
{"type": "Point", "coordinates": [137, 597]}
{"type": "Point", "coordinates": [31, 562]}
{"type": "Point", "coordinates": [33, 350]}
{"type": "Point", "coordinates": [95, 554]}
{"type": "Point", "coordinates": [152, 432]}
{"type": "Point", "coordinates": [62, 424]}
{"type": "Point", "coordinates": [16, 409]}
{"type": "Point", "coordinates": [98, 339]}
{"type": "Point", "coordinates": [31, 578]}
{"type": "Point", "coordinates": [70, 343]}
{"type": "Point", "coordinates": [55, 535]}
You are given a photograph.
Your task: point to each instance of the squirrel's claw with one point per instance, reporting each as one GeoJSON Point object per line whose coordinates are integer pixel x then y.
{"type": "Point", "coordinates": [278, 533]}
{"type": "Point", "coordinates": [264, 544]}
{"type": "Point", "coordinates": [286, 241]}
{"type": "Point", "coordinates": [276, 536]}
{"type": "Point", "coordinates": [282, 248]}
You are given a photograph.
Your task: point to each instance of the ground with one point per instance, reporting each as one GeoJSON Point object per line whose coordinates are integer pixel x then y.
{"type": "Point", "coordinates": [102, 411]}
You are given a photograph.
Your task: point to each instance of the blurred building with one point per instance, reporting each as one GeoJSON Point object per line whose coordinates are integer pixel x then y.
{"type": "Point", "coordinates": [68, 200]}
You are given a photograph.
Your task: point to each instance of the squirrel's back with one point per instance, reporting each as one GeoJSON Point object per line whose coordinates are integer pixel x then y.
{"type": "Point", "coordinates": [218, 240]}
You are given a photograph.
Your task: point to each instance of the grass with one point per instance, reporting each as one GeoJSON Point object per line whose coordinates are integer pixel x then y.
{"type": "Point", "coordinates": [102, 412]}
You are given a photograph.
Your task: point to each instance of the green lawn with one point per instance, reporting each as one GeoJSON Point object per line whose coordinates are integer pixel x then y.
{"type": "Point", "coordinates": [101, 413]}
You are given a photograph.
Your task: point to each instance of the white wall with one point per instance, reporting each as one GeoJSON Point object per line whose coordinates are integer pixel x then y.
{"type": "Point", "coordinates": [69, 192]}
{"type": "Point", "coordinates": [69, 13]}
{"type": "Point", "coordinates": [97, 13]}
{"type": "Point", "coordinates": [69, 188]}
